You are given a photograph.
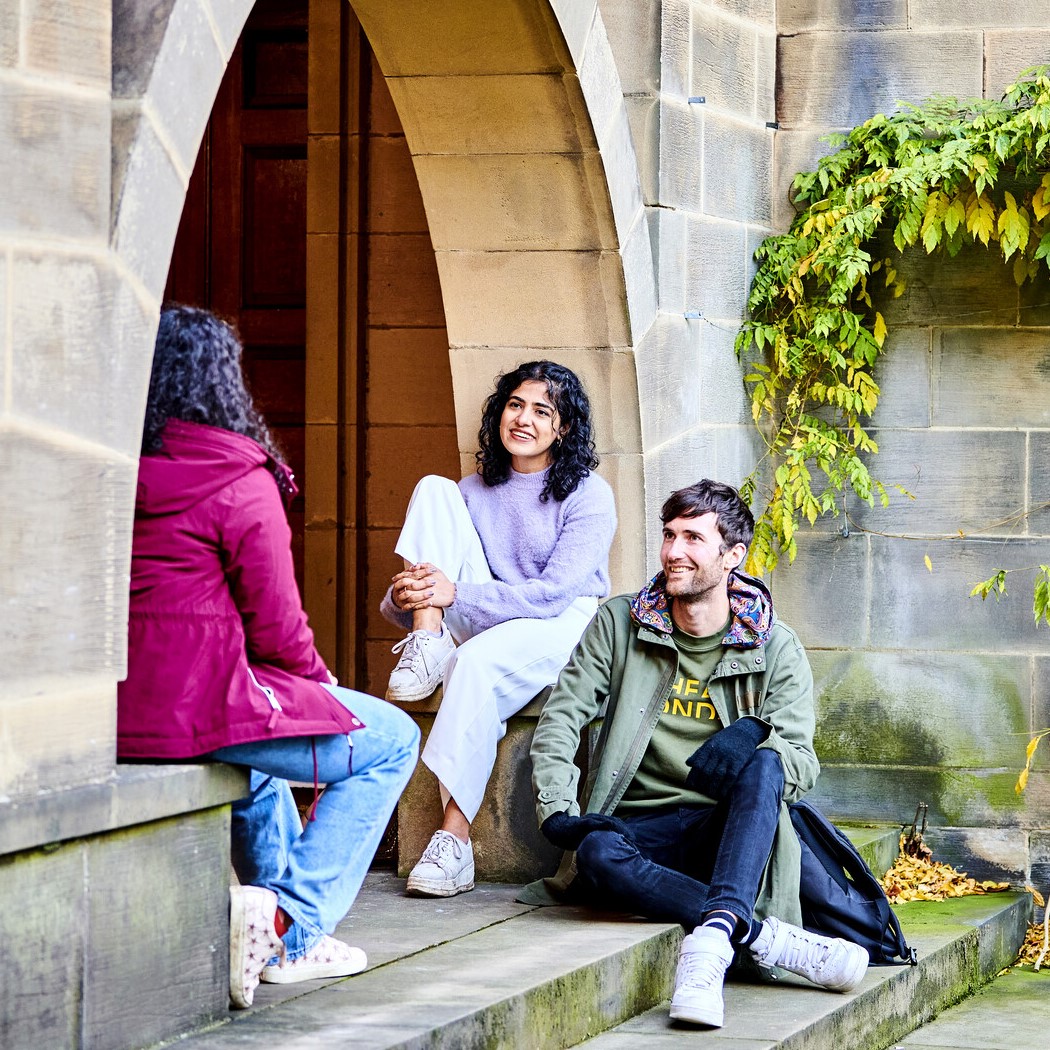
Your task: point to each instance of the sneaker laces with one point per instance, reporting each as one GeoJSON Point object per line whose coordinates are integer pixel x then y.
{"type": "Point", "coordinates": [439, 847]}
{"type": "Point", "coordinates": [411, 647]}
{"type": "Point", "coordinates": [803, 953]}
{"type": "Point", "coordinates": [700, 969]}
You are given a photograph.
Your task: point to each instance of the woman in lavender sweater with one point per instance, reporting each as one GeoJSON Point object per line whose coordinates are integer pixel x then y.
{"type": "Point", "coordinates": [502, 574]}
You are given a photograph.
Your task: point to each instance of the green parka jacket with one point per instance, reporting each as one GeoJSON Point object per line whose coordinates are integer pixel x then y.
{"type": "Point", "coordinates": [624, 668]}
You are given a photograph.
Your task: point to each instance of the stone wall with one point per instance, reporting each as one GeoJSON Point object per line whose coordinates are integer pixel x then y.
{"type": "Point", "coordinates": [926, 694]}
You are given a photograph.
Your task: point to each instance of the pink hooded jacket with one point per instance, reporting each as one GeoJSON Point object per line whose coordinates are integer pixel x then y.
{"type": "Point", "coordinates": [219, 651]}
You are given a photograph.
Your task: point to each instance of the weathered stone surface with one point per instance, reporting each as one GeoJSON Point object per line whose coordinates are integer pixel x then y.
{"type": "Point", "coordinates": [965, 798]}
{"type": "Point", "coordinates": [974, 288]}
{"type": "Point", "coordinates": [428, 37]}
{"type": "Point", "coordinates": [395, 204]}
{"type": "Point", "coordinates": [716, 269]}
{"type": "Point", "coordinates": [627, 554]}
{"type": "Point", "coordinates": [72, 524]}
{"type": "Point", "coordinates": [188, 55]}
{"type": "Point", "coordinates": [323, 321]}
{"type": "Point", "coordinates": [903, 374]}
{"type": "Point", "coordinates": [504, 202]}
{"type": "Point", "coordinates": [10, 21]}
{"type": "Point", "coordinates": [56, 157]}
{"type": "Point", "coordinates": [322, 197]}
{"type": "Point", "coordinates": [70, 40]}
{"type": "Point", "coordinates": [55, 734]}
{"type": "Point", "coordinates": [508, 846]}
{"type": "Point", "coordinates": [1039, 860]}
{"type": "Point", "coordinates": [960, 479]}
{"type": "Point", "coordinates": [618, 177]}
{"type": "Point", "coordinates": [676, 48]}
{"type": "Point", "coordinates": [1040, 711]}
{"type": "Point", "coordinates": [841, 79]}
{"type": "Point", "coordinates": [738, 169]}
{"type": "Point", "coordinates": [972, 13]}
{"type": "Point", "coordinates": [800, 16]}
{"type": "Point", "coordinates": [541, 299]}
{"type": "Point", "coordinates": [794, 150]}
{"type": "Point", "coordinates": [44, 914]}
{"type": "Point", "coordinates": [408, 358]}
{"type": "Point", "coordinates": [402, 287]}
{"type": "Point", "coordinates": [724, 69]}
{"type": "Point", "coordinates": [643, 117]}
{"type": "Point", "coordinates": [639, 277]}
{"type": "Point", "coordinates": [927, 709]}
{"type": "Point", "coordinates": [138, 33]}
{"type": "Point", "coordinates": [836, 570]}
{"type": "Point", "coordinates": [669, 379]}
{"type": "Point", "coordinates": [1007, 53]}
{"type": "Point", "coordinates": [575, 19]}
{"type": "Point", "coordinates": [176, 873]}
{"type": "Point", "coordinates": [493, 114]}
{"type": "Point", "coordinates": [990, 377]}
{"type": "Point", "coordinates": [634, 36]}
{"type": "Point", "coordinates": [395, 464]}
{"type": "Point", "coordinates": [80, 348]}
{"type": "Point", "coordinates": [670, 228]}
{"type": "Point", "coordinates": [761, 11]}
{"type": "Point", "coordinates": [916, 609]}
{"type": "Point", "coordinates": [682, 156]}
{"type": "Point", "coordinates": [147, 205]}
{"type": "Point", "coordinates": [723, 398]}
{"type": "Point", "coordinates": [999, 854]}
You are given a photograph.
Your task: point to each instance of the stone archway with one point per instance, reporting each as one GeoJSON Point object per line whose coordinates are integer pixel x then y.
{"type": "Point", "coordinates": [519, 134]}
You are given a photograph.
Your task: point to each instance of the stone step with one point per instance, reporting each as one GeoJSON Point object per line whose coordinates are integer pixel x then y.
{"type": "Point", "coordinates": [480, 970]}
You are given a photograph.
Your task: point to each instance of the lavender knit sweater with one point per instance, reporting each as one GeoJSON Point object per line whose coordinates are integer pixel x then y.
{"type": "Point", "coordinates": [543, 555]}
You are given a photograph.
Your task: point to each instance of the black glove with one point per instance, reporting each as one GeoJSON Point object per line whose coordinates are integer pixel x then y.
{"type": "Point", "coordinates": [567, 832]}
{"type": "Point", "coordinates": [715, 765]}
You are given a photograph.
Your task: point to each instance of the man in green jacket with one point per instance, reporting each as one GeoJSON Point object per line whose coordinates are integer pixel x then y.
{"type": "Point", "coordinates": [707, 734]}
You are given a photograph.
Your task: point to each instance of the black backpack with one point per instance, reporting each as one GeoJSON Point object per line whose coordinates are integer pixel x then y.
{"type": "Point", "coordinates": [840, 896]}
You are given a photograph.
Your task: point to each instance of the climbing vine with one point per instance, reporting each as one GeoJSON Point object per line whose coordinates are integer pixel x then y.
{"type": "Point", "coordinates": [940, 175]}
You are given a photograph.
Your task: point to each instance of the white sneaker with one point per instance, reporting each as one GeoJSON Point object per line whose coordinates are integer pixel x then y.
{"type": "Point", "coordinates": [829, 962]}
{"type": "Point", "coordinates": [702, 964]}
{"type": "Point", "coordinates": [327, 958]}
{"type": "Point", "coordinates": [419, 670]}
{"type": "Point", "coordinates": [445, 869]}
{"type": "Point", "coordinates": [253, 940]}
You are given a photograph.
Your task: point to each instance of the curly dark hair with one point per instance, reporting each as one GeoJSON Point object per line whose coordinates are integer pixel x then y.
{"type": "Point", "coordinates": [197, 378]}
{"type": "Point", "coordinates": [572, 455]}
{"type": "Point", "coordinates": [736, 523]}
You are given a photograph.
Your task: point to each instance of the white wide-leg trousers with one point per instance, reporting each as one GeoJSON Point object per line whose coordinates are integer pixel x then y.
{"type": "Point", "coordinates": [493, 673]}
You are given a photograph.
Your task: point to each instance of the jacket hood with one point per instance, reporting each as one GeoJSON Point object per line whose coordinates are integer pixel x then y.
{"type": "Point", "coordinates": [195, 462]}
{"type": "Point", "coordinates": [749, 602]}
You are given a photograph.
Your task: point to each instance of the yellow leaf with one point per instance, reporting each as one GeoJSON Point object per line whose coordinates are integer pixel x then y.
{"type": "Point", "coordinates": [1022, 781]}
{"type": "Point", "coordinates": [880, 330]}
{"type": "Point", "coordinates": [1032, 745]}
{"type": "Point", "coordinates": [929, 564]}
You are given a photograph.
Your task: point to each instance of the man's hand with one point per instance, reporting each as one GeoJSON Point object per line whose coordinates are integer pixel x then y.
{"type": "Point", "coordinates": [567, 832]}
{"type": "Point", "coordinates": [715, 765]}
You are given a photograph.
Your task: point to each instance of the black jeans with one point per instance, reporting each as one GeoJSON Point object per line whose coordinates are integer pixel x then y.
{"type": "Point", "coordinates": [681, 863]}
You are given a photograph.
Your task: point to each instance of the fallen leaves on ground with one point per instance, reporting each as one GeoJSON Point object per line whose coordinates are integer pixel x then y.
{"type": "Point", "coordinates": [1033, 947]}
{"type": "Point", "coordinates": [922, 878]}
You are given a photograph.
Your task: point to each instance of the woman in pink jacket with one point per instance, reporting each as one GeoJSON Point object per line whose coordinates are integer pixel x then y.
{"type": "Point", "coordinates": [222, 665]}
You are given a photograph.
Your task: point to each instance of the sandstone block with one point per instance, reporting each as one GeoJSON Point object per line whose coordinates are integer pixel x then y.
{"type": "Point", "coordinates": [618, 177]}
{"type": "Point", "coordinates": [991, 377]}
{"type": "Point", "coordinates": [69, 40]}
{"type": "Point", "coordinates": [670, 228]}
{"type": "Point", "coordinates": [493, 114]}
{"type": "Point", "coordinates": [903, 374]}
{"type": "Point", "coordinates": [397, 457]}
{"type": "Point", "coordinates": [1008, 52]}
{"type": "Point", "coordinates": [639, 277]}
{"type": "Point", "coordinates": [395, 203]}
{"type": "Point", "coordinates": [999, 854]}
{"type": "Point", "coordinates": [626, 556]}
{"type": "Point", "coordinates": [763, 12]}
{"type": "Point", "coordinates": [322, 185]}
{"type": "Point", "coordinates": [634, 35]}
{"type": "Point", "coordinates": [322, 325]}
{"type": "Point", "coordinates": [534, 201]}
{"type": "Point", "coordinates": [738, 169]}
{"type": "Point", "coordinates": [324, 102]}
{"type": "Point", "coordinates": [403, 286]}
{"type": "Point", "coordinates": [836, 569]}
{"type": "Point", "coordinates": [841, 79]}
{"type": "Point", "coordinates": [723, 398]}
{"type": "Point", "coordinates": [138, 34]}
{"type": "Point", "coordinates": [320, 586]}
{"type": "Point", "coordinates": [726, 69]}
{"type": "Point", "coordinates": [643, 116]}
{"type": "Point", "coordinates": [540, 299]}
{"type": "Point", "coordinates": [669, 378]}
{"type": "Point", "coordinates": [55, 732]}
{"type": "Point", "coordinates": [716, 269]}
{"type": "Point", "coordinates": [794, 150]}
{"type": "Point", "coordinates": [409, 377]}
{"type": "Point", "coordinates": [903, 709]}
{"type": "Point", "coordinates": [10, 20]}
{"type": "Point", "coordinates": [682, 155]}
{"type": "Point", "coordinates": [72, 524]}
{"type": "Point", "coordinates": [56, 162]}
{"type": "Point", "coordinates": [575, 19]}
{"type": "Point", "coordinates": [801, 16]}
{"type": "Point", "coordinates": [916, 609]}
{"type": "Point", "coordinates": [1039, 860]}
{"type": "Point", "coordinates": [676, 49]}
{"type": "Point", "coordinates": [1039, 482]}
{"type": "Point", "coordinates": [428, 37]}
{"type": "Point", "coordinates": [599, 80]}
{"type": "Point", "coordinates": [970, 13]}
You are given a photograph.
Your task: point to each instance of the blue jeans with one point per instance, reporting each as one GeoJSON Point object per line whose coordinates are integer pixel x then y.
{"type": "Point", "coordinates": [681, 863]}
{"type": "Point", "coordinates": [317, 871]}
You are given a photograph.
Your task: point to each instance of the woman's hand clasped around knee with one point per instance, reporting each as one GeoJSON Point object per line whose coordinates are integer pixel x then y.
{"type": "Point", "coordinates": [422, 586]}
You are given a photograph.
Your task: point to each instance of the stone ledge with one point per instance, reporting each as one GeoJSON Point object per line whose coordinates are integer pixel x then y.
{"type": "Point", "coordinates": [133, 794]}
